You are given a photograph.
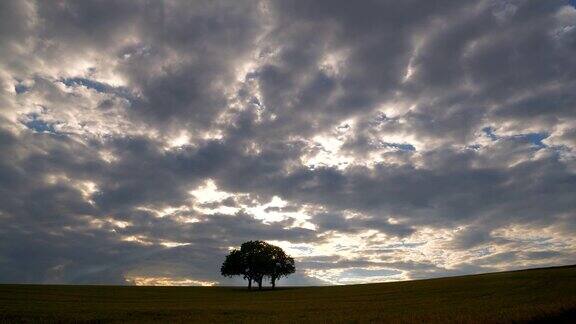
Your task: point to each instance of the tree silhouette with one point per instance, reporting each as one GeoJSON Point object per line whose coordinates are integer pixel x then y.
{"type": "Point", "coordinates": [281, 264]}
{"type": "Point", "coordinates": [256, 260]}
{"type": "Point", "coordinates": [234, 265]}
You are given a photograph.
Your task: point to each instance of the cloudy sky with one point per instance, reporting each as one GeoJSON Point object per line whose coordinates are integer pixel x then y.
{"type": "Point", "coordinates": [387, 140]}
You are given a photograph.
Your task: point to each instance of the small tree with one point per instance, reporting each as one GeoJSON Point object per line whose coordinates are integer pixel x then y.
{"type": "Point", "coordinates": [256, 260]}
{"type": "Point", "coordinates": [234, 265]}
{"type": "Point", "coordinates": [281, 264]}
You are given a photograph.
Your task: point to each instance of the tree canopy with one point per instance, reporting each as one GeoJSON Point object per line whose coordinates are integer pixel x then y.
{"type": "Point", "coordinates": [256, 260]}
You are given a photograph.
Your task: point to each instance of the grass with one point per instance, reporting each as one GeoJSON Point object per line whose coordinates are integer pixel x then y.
{"type": "Point", "coordinates": [539, 295]}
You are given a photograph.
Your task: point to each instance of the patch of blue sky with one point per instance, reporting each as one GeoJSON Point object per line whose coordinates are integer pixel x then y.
{"type": "Point", "coordinates": [98, 86]}
{"type": "Point", "coordinates": [405, 245]}
{"type": "Point", "coordinates": [533, 138]}
{"type": "Point", "coordinates": [489, 131]}
{"type": "Point", "coordinates": [90, 84]}
{"type": "Point", "coordinates": [40, 126]}
{"type": "Point", "coordinates": [400, 146]}
{"type": "Point", "coordinates": [20, 88]}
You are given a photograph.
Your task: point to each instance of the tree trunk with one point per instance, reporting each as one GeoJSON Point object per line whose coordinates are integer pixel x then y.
{"type": "Point", "coordinates": [273, 281]}
{"type": "Point", "coordinates": [260, 283]}
{"type": "Point", "coordinates": [249, 283]}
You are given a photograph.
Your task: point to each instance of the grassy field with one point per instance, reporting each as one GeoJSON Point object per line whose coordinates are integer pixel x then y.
{"type": "Point", "coordinates": [539, 295]}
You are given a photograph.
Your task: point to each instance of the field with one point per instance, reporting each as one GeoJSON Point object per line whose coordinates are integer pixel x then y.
{"type": "Point", "coordinates": [538, 295]}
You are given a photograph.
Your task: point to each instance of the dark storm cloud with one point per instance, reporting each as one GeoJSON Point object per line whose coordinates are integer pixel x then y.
{"type": "Point", "coordinates": [437, 125]}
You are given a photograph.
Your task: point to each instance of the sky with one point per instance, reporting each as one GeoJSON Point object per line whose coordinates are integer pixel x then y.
{"type": "Point", "coordinates": [378, 141]}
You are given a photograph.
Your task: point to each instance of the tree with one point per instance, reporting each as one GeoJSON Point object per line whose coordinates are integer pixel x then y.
{"type": "Point", "coordinates": [280, 265]}
{"type": "Point", "coordinates": [256, 260]}
{"type": "Point", "coordinates": [234, 265]}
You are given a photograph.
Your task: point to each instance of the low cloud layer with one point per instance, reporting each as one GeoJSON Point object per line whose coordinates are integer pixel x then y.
{"type": "Point", "coordinates": [387, 140]}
